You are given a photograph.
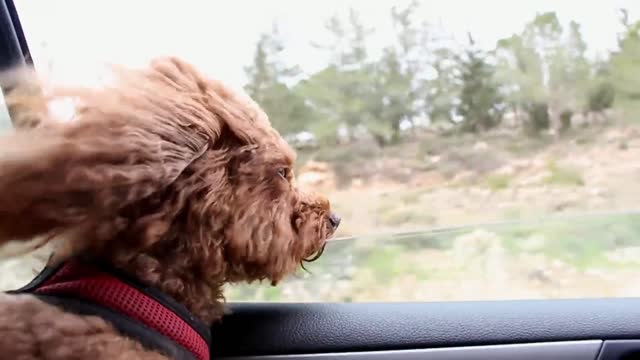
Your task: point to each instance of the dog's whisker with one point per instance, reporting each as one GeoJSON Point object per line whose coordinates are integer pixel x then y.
{"type": "Point", "coordinates": [317, 254]}
{"type": "Point", "coordinates": [315, 257]}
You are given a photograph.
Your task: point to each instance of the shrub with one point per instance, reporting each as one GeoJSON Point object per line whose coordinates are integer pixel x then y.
{"type": "Point", "coordinates": [601, 97]}
{"type": "Point", "coordinates": [565, 121]}
{"type": "Point", "coordinates": [498, 181]}
{"type": "Point", "coordinates": [563, 176]}
{"type": "Point", "coordinates": [538, 117]}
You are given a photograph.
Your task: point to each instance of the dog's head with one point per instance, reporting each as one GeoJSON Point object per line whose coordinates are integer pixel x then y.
{"type": "Point", "coordinates": [249, 196]}
{"type": "Point", "coordinates": [169, 172]}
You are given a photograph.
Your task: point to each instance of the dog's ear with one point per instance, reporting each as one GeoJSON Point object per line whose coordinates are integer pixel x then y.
{"type": "Point", "coordinates": [126, 142]}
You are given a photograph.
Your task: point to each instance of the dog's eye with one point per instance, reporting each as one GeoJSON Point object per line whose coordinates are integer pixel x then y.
{"type": "Point", "coordinates": [284, 173]}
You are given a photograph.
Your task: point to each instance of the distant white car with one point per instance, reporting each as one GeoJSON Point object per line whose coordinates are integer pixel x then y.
{"type": "Point", "coordinates": [301, 140]}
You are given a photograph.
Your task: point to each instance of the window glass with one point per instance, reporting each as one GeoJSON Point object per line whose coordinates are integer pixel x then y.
{"type": "Point", "coordinates": [474, 149]}
{"type": "Point", "coordinates": [5, 119]}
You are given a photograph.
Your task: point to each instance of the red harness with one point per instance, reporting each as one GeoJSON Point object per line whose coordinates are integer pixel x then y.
{"type": "Point", "coordinates": [79, 281]}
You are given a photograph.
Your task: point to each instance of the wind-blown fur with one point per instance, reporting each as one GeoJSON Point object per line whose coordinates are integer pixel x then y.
{"type": "Point", "coordinates": [167, 175]}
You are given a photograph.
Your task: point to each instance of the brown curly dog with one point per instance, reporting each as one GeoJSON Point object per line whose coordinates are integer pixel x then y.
{"type": "Point", "coordinates": [165, 175]}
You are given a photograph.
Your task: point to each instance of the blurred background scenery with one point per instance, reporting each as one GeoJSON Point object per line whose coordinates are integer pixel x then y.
{"type": "Point", "coordinates": [475, 150]}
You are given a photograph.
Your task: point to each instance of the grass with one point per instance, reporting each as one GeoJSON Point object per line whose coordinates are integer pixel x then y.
{"type": "Point", "coordinates": [528, 144]}
{"type": "Point", "coordinates": [411, 197]}
{"type": "Point", "coordinates": [386, 263]}
{"type": "Point", "coordinates": [498, 181]}
{"type": "Point", "coordinates": [403, 208]}
{"type": "Point", "coordinates": [583, 243]}
{"type": "Point", "coordinates": [563, 176]}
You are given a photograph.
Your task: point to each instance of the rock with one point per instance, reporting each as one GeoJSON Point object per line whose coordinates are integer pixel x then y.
{"type": "Point", "coordinates": [626, 255]}
{"type": "Point", "coordinates": [480, 192]}
{"type": "Point", "coordinates": [533, 243]}
{"type": "Point", "coordinates": [317, 175]}
{"type": "Point", "coordinates": [535, 179]}
{"type": "Point", "coordinates": [464, 178]}
{"type": "Point", "coordinates": [597, 191]}
{"type": "Point", "coordinates": [578, 120]}
{"type": "Point", "coordinates": [480, 146]}
{"type": "Point", "coordinates": [541, 275]}
{"type": "Point", "coordinates": [473, 244]}
{"type": "Point", "coordinates": [614, 136]}
{"type": "Point", "coordinates": [562, 205]}
{"type": "Point", "coordinates": [521, 164]}
{"type": "Point", "coordinates": [430, 180]}
{"type": "Point", "coordinates": [506, 170]}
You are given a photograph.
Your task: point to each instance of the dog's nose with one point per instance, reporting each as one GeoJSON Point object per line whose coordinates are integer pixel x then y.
{"type": "Point", "coordinates": [335, 219]}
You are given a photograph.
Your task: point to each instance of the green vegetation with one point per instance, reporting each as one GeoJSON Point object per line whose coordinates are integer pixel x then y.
{"type": "Point", "coordinates": [624, 65]}
{"type": "Point", "coordinates": [563, 176]}
{"type": "Point", "coordinates": [399, 216]}
{"type": "Point", "coordinates": [581, 243]}
{"type": "Point", "coordinates": [498, 181]}
{"type": "Point", "coordinates": [539, 71]}
{"type": "Point", "coordinates": [479, 98]}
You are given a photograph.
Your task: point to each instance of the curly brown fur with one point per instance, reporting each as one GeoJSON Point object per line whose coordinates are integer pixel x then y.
{"type": "Point", "coordinates": [167, 175]}
{"type": "Point", "coordinates": [32, 330]}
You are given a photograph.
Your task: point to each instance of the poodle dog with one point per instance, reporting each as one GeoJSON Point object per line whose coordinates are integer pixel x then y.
{"type": "Point", "coordinates": [170, 179]}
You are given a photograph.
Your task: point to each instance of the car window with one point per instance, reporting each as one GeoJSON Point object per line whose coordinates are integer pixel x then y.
{"type": "Point", "coordinates": [475, 150]}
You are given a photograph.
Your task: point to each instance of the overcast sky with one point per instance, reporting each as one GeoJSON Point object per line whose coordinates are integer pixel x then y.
{"type": "Point", "coordinates": [219, 36]}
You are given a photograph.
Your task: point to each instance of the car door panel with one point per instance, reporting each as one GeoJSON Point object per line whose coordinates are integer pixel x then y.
{"type": "Point", "coordinates": [574, 350]}
{"type": "Point", "coordinates": [321, 328]}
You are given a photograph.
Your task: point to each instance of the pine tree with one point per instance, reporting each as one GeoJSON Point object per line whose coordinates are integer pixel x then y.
{"type": "Point", "coordinates": [479, 99]}
{"type": "Point", "coordinates": [268, 76]}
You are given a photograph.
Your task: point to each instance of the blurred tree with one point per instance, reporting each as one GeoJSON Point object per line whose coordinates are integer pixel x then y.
{"type": "Point", "coordinates": [442, 90]}
{"type": "Point", "coordinates": [392, 102]}
{"type": "Point", "coordinates": [565, 121]}
{"type": "Point", "coordinates": [520, 71]}
{"type": "Point", "coordinates": [625, 66]}
{"type": "Point", "coordinates": [544, 64]}
{"type": "Point", "coordinates": [601, 92]}
{"type": "Point", "coordinates": [601, 97]}
{"type": "Point", "coordinates": [480, 102]}
{"type": "Point", "coordinates": [343, 93]}
{"type": "Point", "coordinates": [539, 118]}
{"type": "Point", "coordinates": [267, 85]}
{"type": "Point", "coordinates": [399, 90]}
{"type": "Point", "coordinates": [569, 71]}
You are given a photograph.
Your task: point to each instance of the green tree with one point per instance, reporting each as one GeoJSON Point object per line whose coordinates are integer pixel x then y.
{"type": "Point", "coordinates": [545, 67]}
{"type": "Point", "coordinates": [569, 71]}
{"type": "Point", "coordinates": [267, 85]}
{"type": "Point", "coordinates": [344, 92]}
{"type": "Point", "coordinates": [520, 70]}
{"type": "Point", "coordinates": [625, 66]}
{"type": "Point", "coordinates": [442, 89]}
{"type": "Point", "coordinates": [395, 97]}
{"type": "Point", "coordinates": [480, 102]}
{"type": "Point", "coordinates": [399, 90]}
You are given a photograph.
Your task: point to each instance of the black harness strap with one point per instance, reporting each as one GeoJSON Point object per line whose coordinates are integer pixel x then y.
{"type": "Point", "coordinates": [148, 337]}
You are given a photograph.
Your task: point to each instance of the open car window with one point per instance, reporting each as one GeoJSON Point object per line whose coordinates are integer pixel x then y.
{"type": "Point", "coordinates": [443, 210]}
{"type": "Point", "coordinates": [469, 160]}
